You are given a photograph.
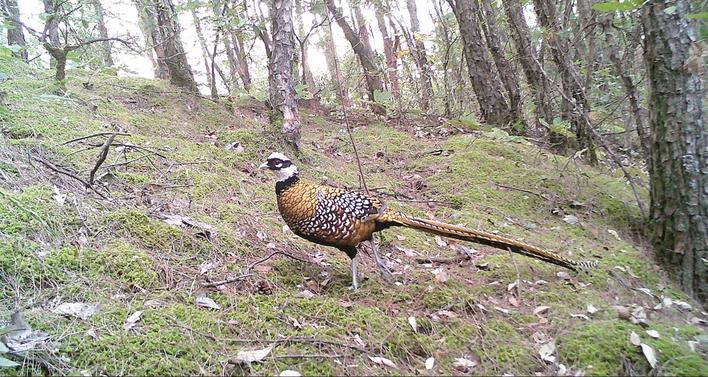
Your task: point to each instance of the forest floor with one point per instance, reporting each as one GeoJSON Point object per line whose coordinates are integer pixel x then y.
{"type": "Point", "coordinates": [127, 277]}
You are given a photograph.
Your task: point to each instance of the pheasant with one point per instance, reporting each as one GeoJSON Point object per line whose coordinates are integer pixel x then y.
{"type": "Point", "coordinates": [343, 219]}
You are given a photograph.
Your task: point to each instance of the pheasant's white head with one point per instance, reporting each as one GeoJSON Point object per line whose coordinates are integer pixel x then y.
{"type": "Point", "coordinates": [280, 165]}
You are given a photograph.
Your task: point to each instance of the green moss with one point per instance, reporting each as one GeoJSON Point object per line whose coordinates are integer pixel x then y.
{"type": "Point", "coordinates": [127, 264]}
{"type": "Point", "coordinates": [151, 233]}
{"type": "Point", "coordinates": [596, 347]}
{"type": "Point", "coordinates": [507, 349]}
{"type": "Point", "coordinates": [27, 211]}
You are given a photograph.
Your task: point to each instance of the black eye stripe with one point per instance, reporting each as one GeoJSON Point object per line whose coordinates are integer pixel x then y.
{"type": "Point", "coordinates": [276, 163]}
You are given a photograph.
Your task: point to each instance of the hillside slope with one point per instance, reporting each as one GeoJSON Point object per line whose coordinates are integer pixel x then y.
{"type": "Point", "coordinates": [190, 162]}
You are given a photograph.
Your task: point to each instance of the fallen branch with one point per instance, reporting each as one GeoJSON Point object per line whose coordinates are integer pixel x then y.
{"type": "Point", "coordinates": [521, 190]}
{"type": "Point", "coordinates": [458, 259]}
{"type": "Point", "coordinates": [101, 157]}
{"type": "Point", "coordinates": [94, 135]}
{"type": "Point", "coordinates": [247, 271]}
{"type": "Point", "coordinates": [56, 169]}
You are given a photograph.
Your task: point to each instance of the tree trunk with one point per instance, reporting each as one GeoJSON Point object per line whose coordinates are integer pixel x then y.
{"type": "Point", "coordinates": [538, 84]}
{"type": "Point", "coordinates": [280, 80]}
{"type": "Point", "coordinates": [15, 33]}
{"type": "Point", "coordinates": [169, 37]}
{"type": "Point", "coordinates": [390, 46]}
{"type": "Point", "coordinates": [103, 32]}
{"type": "Point", "coordinates": [330, 57]}
{"type": "Point", "coordinates": [307, 77]}
{"type": "Point", "coordinates": [572, 82]}
{"type": "Point", "coordinates": [628, 85]}
{"type": "Point", "coordinates": [421, 58]}
{"type": "Point", "coordinates": [53, 12]}
{"type": "Point", "coordinates": [494, 108]}
{"type": "Point", "coordinates": [242, 68]}
{"type": "Point", "coordinates": [205, 55]}
{"type": "Point", "coordinates": [677, 170]}
{"type": "Point", "coordinates": [506, 72]}
{"type": "Point", "coordinates": [147, 22]}
{"type": "Point", "coordinates": [365, 55]}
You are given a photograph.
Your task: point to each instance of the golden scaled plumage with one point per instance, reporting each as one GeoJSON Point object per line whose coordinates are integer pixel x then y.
{"type": "Point", "coordinates": [343, 219]}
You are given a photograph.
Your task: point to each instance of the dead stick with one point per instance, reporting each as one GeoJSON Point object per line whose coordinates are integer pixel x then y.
{"type": "Point", "coordinates": [522, 190]}
{"type": "Point", "coordinates": [95, 135]}
{"type": "Point", "coordinates": [442, 260]}
{"type": "Point", "coordinates": [53, 168]}
{"type": "Point", "coordinates": [101, 157]}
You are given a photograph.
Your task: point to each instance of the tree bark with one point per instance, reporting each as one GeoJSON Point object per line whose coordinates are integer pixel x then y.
{"type": "Point", "coordinates": [421, 58]}
{"type": "Point", "coordinates": [206, 56]}
{"type": "Point", "coordinates": [307, 77]}
{"type": "Point", "coordinates": [576, 112]}
{"type": "Point", "coordinates": [169, 38]}
{"type": "Point", "coordinates": [677, 170]}
{"type": "Point", "coordinates": [506, 72]}
{"type": "Point", "coordinates": [330, 57]}
{"type": "Point", "coordinates": [242, 68]}
{"type": "Point", "coordinates": [281, 88]}
{"type": "Point", "coordinates": [53, 12]}
{"type": "Point", "coordinates": [15, 33]}
{"type": "Point", "coordinates": [390, 46]}
{"type": "Point", "coordinates": [628, 85]}
{"type": "Point", "coordinates": [494, 108]}
{"type": "Point", "coordinates": [364, 54]}
{"type": "Point", "coordinates": [103, 33]}
{"type": "Point", "coordinates": [538, 84]}
{"type": "Point", "coordinates": [147, 22]}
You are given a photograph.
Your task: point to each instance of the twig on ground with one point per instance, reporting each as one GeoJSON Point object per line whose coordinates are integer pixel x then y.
{"type": "Point", "coordinates": [84, 227]}
{"type": "Point", "coordinates": [101, 157]}
{"type": "Point", "coordinates": [247, 271]}
{"type": "Point", "coordinates": [56, 169]}
{"type": "Point", "coordinates": [518, 274]}
{"type": "Point", "coordinates": [424, 259]}
{"type": "Point", "coordinates": [297, 340]}
{"type": "Point", "coordinates": [521, 190]}
{"type": "Point", "coordinates": [95, 135]}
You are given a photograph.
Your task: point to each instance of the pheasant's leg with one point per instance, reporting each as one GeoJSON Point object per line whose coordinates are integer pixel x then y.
{"type": "Point", "coordinates": [355, 284]}
{"type": "Point", "coordinates": [379, 262]}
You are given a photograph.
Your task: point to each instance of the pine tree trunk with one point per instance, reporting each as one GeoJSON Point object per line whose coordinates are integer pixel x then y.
{"type": "Point", "coordinates": [340, 90]}
{"type": "Point", "coordinates": [390, 47]}
{"type": "Point", "coordinates": [421, 58]}
{"type": "Point", "coordinates": [677, 170]}
{"type": "Point", "coordinates": [576, 113]}
{"type": "Point", "coordinates": [494, 108]}
{"type": "Point", "coordinates": [53, 10]}
{"type": "Point", "coordinates": [15, 34]}
{"type": "Point", "coordinates": [307, 77]}
{"type": "Point", "coordinates": [103, 33]}
{"type": "Point", "coordinates": [538, 84]}
{"type": "Point", "coordinates": [147, 22]}
{"type": "Point", "coordinates": [364, 54]}
{"type": "Point", "coordinates": [506, 72]}
{"type": "Point", "coordinates": [281, 87]}
{"type": "Point", "coordinates": [205, 55]}
{"type": "Point", "coordinates": [174, 55]}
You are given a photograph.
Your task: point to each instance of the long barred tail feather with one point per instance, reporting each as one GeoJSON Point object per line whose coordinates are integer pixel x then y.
{"type": "Point", "coordinates": [392, 218]}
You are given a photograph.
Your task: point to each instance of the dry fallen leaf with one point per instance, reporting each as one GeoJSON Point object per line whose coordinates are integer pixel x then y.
{"type": "Point", "coordinates": [650, 354]}
{"type": "Point", "coordinates": [653, 333]}
{"type": "Point", "coordinates": [206, 302]}
{"type": "Point", "coordinates": [429, 363]}
{"type": "Point", "coordinates": [541, 310]}
{"type": "Point", "coordinates": [413, 323]}
{"type": "Point", "coordinates": [546, 351]}
{"type": "Point", "coordinates": [570, 219]}
{"type": "Point", "coordinates": [440, 274]}
{"type": "Point", "coordinates": [461, 362]}
{"type": "Point", "coordinates": [132, 320]}
{"type": "Point", "coordinates": [290, 373]}
{"type": "Point", "coordinates": [440, 241]}
{"type": "Point", "coordinates": [591, 309]}
{"type": "Point", "coordinates": [383, 361]}
{"type": "Point", "coordinates": [634, 339]}
{"type": "Point", "coordinates": [77, 309]}
{"type": "Point", "coordinates": [253, 355]}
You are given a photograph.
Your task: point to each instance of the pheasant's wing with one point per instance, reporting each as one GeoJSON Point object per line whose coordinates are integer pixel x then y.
{"type": "Point", "coordinates": [351, 203]}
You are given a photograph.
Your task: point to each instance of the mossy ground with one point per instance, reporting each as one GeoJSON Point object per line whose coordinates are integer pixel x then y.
{"type": "Point", "coordinates": [121, 255]}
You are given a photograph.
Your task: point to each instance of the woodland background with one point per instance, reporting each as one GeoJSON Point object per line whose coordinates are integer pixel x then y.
{"type": "Point", "coordinates": [131, 204]}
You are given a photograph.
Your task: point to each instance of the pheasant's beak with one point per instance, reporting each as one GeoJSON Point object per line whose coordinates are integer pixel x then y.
{"type": "Point", "coordinates": [263, 165]}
